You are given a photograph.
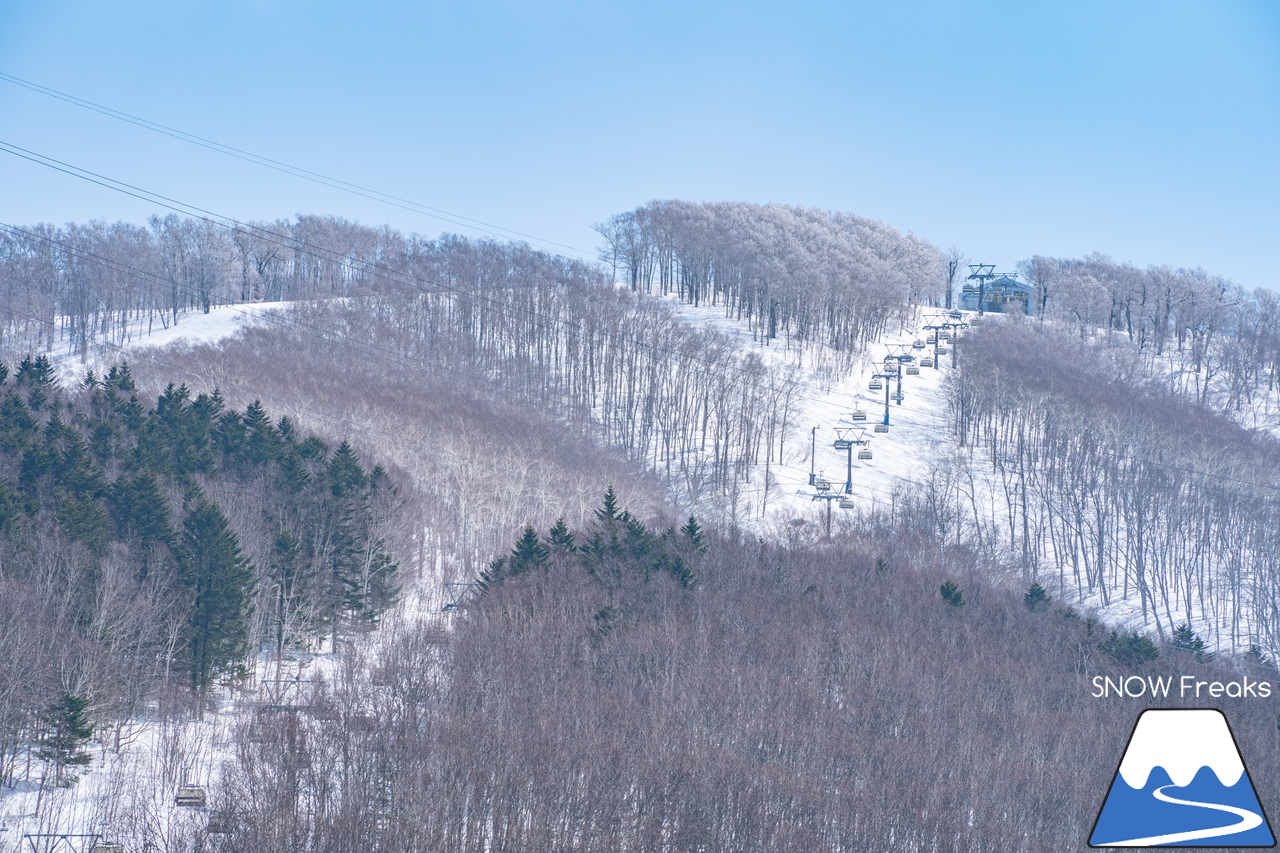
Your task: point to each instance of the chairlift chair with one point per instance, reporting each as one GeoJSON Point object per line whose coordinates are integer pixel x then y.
{"type": "Point", "coordinates": [956, 315]}
{"type": "Point", "coordinates": [912, 370]}
{"type": "Point", "coordinates": [864, 453]}
{"type": "Point", "coordinates": [917, 345]}
{"type": "Point", "coordinates": [933, 339]}
{"type": "Point", "coordinates": [842, 444]}
{"type": "Point", "coordinates": [107, 847]}
{"type": "Point", "coordinates": [942, 350]}
{"type": "Point", "coordinates": [876, 385]}
{"type": "Point", "coordinates": [946, 337]}
{"type": "Point", "coordinates": [926, 362]}
{"type": "Point", "coordinates": [192, 796]}
{"type": "Point", "coordinates": [219, 824]}
{"type": "Point", "coordinates": [822, 485]}
{"type": "Point", "coordinates": [859, 415]}
{"type": "Point", "coordinates": [882, 428]}
{"type": "Point", "coordinates": [897, 397]}
{"type": "Point", "coordinates": [846, 503]}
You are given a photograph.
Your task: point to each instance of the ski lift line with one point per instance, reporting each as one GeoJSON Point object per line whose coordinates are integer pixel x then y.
{"type": "Point", "coordinates": [295, 171]}
{"type": "Point", "coordinates": [396, 276]}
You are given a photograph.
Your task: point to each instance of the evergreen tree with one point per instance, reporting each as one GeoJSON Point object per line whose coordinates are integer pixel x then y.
{"type": "Point", "coordinates": [1036, 599]}
{"type": "Point", "coordinates": [37, 375]}
{"type": "Point", "coordinates": [561, 537]}
{"type": "Point", "coordinates": [529, 552]}
{"type": "Point", "coordinates": [1186, 640]}
{"type": "Point", "coordinates": [345, 473]}
{"type": "Point", "coordinates": [1132, 649]}
{"type": "Point", "coordinates": [693, 533]}
{"type": "Point", "coordinates": [951, 594]}
{"type": "Point", "coordinates": [66, 729]}
{"type": "Point", "coordinates": [608, 511]}
{"type": "Point", "coordinates": [221, 582]}
{"type": "Point", "coordinates": [262, 442]}
{"type": "Point", "coordinates": [1258, 658]}
{"type": "Point", "coordinates": [140, 508]}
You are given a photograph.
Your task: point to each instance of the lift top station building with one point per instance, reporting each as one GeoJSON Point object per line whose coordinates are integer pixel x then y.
{"type": "Point", "coordinates": [995, 292]}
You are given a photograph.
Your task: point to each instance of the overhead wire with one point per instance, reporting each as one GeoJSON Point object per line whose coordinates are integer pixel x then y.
{"type": "Point", "coordinates": [295, 171]}
{"type": "Point", "coordinates": [292, 243]}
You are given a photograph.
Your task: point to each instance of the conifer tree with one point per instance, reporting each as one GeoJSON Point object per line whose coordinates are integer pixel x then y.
{"type": "Point", "coordinates": [952, 595]}
{"type": "Point", "coordinates": [1186, 640]}
{"type": "Point", "coordinates": [608, 510]}
{"type": "Point", "coordinates": [560, 537]}
{"type": "Point", "coordinates": [262, 442]}
{"type": "Point", "coordinates": [693, 533]}
{"type": "Point", "coordinates": [529, 552]}
{"type": "Point", "coordinates": [220, 579]}
{"type": "Point", "coordinates": [345, 473]}
{"type": "Point", "coordinates": [66, 730]}
{"type": "Point", "coordinates": [1036, 599]}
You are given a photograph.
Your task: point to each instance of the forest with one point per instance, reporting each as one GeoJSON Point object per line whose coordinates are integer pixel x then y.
{"type": "Point", "coordinates": [630, 662]}
{"type": "Point", "coordinates": [150, 551]}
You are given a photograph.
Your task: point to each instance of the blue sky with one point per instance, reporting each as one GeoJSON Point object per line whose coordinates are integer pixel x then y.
{"type": "Point", "coordinates": [1149, 131]}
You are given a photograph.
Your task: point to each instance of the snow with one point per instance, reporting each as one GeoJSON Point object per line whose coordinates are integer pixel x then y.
{"type": "Point", "coordinates": [917, 426]}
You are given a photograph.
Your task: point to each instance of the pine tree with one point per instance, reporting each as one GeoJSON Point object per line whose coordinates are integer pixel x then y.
{"type": "Point", "coordinates": [952, 595]}
{"type": "Point", "coordinates": [345, 473]}
{"type": "Point", "coordinates": [221, 581]}
{"type": "Point", "coordinates": [560, 537]}
{"type": "Point", "coordinates": [693, 533]}
{"type": "Point", "coordinates": [262, 442]}
{"type": "Point", "coordinates": [1036, 599]}
{"type": "Point", "coordinates": [608, 511]}
{"type": "Point", "coordinates": [1186, 640]}
{"type": "Point", "coordinates": [529, 552]}
{"type": "Point", "coordinates": [66, 728]}
{"type": "Point", "coordinates": [1132, 649]}
{"type": "Point", "coordinates": [37, 375]}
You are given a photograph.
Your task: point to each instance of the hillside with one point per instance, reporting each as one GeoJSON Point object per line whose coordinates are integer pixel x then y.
{"type": "Point", "coordinates": [716, 666]}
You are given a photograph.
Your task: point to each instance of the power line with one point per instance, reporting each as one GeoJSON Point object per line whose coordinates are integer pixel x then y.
{"type": "Point", "coordinates": [296, 171]}
{"type": "Point", "coordinates": [291, 243]}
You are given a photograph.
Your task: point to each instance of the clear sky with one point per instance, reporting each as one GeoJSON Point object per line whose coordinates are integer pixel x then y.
{"type": "Point", "coordinates": [1149, 131]}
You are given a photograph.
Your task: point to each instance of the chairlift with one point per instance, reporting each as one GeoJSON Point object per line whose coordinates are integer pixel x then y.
{"type": "Point", "coordinates": [864, 453]}
{"type": "Point", "coordinates": [942, 350]}
{"type": "Point", "coordinates": [842, 444]}
{"type": "Point", "coordinates": [956, 315]}
{"type": "Point", "coordinates": [917, 345]}
{"type": "Point", "coordinates": [946, 337]}
{"type": "Point", "coordinates": [926, 362]}
{"type": "Point", "coordinates": [192, 796]}
{"type": "Point", "coordinates": [107, 847]}
{"type": "Point", "coordinates": [876, 385]}
{"type": "Point", "coordinates": [846, 503]}
{"type": "Point", "coordinates": [896, 397]}
{"type": "Point", "coordinates": [821, 484]}
{"type": "Point", "coordinates": [912, 370]}
{"type": "Point", "coordinates": [882, 428]}
{"type": "Point", "coordinates": [220, 823]}
{"type": "Point", "coordinates": [859, 415]}
{"type": "Point", "coordinates": [933, 339]}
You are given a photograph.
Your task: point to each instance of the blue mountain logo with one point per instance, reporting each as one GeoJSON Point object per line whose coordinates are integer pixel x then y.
{"type": "Point", "coordinates": [1182, 783]}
